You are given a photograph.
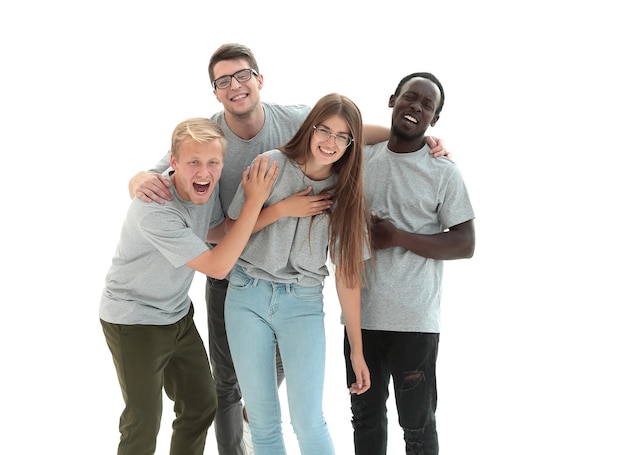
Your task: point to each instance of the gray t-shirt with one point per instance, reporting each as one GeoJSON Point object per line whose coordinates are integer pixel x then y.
{"type": "Point", "coordinates": [281, 123]}
{"type": "Point", "coordinates": [148, 281]}
{"type": "Point", "coordinates": [419, 194]}
{"type": "Point", "coordinates": [292, 249]}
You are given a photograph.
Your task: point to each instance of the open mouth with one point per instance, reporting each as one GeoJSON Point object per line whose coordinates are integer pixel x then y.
{"type": "Point", "coordinates": [201, 188]}
{"type": "Point", "coordinates": [239, 97]}
{"type": "Point", "coordinates": [411, 119]}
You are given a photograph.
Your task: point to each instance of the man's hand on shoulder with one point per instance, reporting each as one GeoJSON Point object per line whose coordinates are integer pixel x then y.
{"type": "Point", "coordinates": [150, 187]}
{"type": "Point", "coordinates": [437, 147]}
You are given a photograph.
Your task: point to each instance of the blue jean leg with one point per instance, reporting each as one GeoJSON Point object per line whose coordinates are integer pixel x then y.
{"type": "Point", "coordinates": [258, 315]}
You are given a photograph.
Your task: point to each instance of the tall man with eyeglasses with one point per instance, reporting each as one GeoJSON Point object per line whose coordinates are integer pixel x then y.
{"type": "Point", "coordinates": [251, 127]}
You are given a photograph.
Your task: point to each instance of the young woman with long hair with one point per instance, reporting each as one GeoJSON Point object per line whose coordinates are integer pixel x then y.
{"type": "Point", "coordinates": [275, 291]}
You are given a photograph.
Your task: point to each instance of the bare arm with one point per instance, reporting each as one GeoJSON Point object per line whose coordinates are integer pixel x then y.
{"type": "Point", "coordinates": [257, 183]}
{"type": "Point", "coordinates": [456, 243]}
{"type": "Point", "coordinates": [350, 301]}
{"type": "Point", "coordinates": [377, 133]}
{"type": "Point", "coordinates": [298, 205]}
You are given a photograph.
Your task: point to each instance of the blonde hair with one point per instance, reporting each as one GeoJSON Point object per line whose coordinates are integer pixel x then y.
{"type": "Point", "coordinates": [197, 129]}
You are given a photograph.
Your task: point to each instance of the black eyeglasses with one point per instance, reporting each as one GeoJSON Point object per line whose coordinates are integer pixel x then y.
{"type": "Point", "coordinates": [322, 135]}
{"type": "Point", "coordinates": [241, 76]}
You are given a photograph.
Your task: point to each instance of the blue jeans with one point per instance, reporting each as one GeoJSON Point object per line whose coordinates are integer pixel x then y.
{"type": "Point", "coordinates": [228, 422]}
{"type": "Point", "coordinates": [259, 315]}
{"type": "Point", "coordinates": [410, 359]}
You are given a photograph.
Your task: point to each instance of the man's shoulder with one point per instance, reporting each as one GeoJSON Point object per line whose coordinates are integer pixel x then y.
{"type": "Point", "coordinates": [286, 109]}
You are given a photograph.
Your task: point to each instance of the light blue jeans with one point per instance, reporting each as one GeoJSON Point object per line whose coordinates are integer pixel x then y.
{"type": "Point", "coordinates": [258, 315]}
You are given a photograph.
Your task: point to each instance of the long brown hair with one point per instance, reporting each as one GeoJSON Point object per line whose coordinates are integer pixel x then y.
{"type": "Point", "coordinates": [348, 228]}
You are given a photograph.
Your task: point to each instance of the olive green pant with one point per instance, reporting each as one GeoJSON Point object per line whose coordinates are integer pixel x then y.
{"type": "Point", "coordinates": [150, 358]}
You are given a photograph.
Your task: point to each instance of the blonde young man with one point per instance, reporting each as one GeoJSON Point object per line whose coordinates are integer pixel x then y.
{"type": "Point", "coordinates": [145, 310]}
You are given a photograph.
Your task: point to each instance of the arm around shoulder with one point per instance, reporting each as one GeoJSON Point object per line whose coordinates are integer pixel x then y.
{"type": "Point", "coordinates": [149, 186]}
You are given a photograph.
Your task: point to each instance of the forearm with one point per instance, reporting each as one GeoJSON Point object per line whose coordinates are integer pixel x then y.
{"type": "Point", "coordinates": [375, 133]}
{"type": "Point", "coordinates": [221, 259]}
{"type": "Point", "coordinates": [269, 215]}
{"type": "Point", "coordinates": [449, 245]}
{"type": "Point", "coordinates": [350, 301]}
{"type": "Point", "coordinates": [233, 243]}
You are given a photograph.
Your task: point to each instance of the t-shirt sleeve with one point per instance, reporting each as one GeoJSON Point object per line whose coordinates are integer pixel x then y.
{"type": "Point", "coordinates": [166, 230]}
{"type": "Point", "coordinates": [455, 207]}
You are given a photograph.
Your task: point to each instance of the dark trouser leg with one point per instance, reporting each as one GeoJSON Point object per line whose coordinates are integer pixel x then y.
{"type": "Point", "coordinates": [229, 417]}
{"type": "Point", "coordinates": [413, 360]}
{"type": "Point", "coordinates": [142, 354]}
{"type": "Point", "coordinates": [189, 383]}
{"type": "Point", "coordinates": [369, 411]}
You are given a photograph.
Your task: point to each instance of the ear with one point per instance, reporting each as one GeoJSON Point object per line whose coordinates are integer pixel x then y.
{"type": "Point", "coordinates": [217, 97]}
{"type": "Point", "coordinates": [173, 163]}
{"type": "Point", "coordinates": [259, 79]}
{"type": "Point", "coordinates": [392, 101]}
{"type": "Point", "coordinates": [434, 121]}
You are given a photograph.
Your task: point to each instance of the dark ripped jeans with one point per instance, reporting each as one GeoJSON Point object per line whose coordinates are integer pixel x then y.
{"type": "Point", "coordinates": [409, 358]}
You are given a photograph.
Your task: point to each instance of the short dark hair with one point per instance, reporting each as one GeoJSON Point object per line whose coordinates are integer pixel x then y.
{"type": "Point", "coordinates": [232, 51]}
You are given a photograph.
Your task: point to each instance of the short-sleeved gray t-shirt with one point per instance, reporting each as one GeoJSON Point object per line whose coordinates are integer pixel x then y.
{"type": "Point", "coordinates": [419, 194]}
{"type": "Point", "coordinates": [148, 281]}
{"type": "Point", "coordinates": [290, 250]}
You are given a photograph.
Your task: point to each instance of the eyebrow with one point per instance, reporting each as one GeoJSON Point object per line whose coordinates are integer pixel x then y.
{"type": "Point", "coordinates": [347, 133]}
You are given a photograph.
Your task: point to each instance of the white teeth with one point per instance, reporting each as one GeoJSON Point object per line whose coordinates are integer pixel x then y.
{"type": "Point", "coordinates": [410, 118]}
{"type": "Point", "coordinates": [238, 97]}
{"type": "Point", "coordinates": [328, 152]}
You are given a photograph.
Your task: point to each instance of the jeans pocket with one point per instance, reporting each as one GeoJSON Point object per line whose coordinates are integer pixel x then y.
{"type": "Point", "coordinates": [239, 279]}
{"type": "Point", "coordinates": [307, 292]}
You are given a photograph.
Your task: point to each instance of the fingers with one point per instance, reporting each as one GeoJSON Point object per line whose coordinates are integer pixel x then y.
{"type": "Point", "coordinates": [155, 188]}
{"type": "Point", "coordinates": [305, 191]}
{"type": "Point", "coordinates": [261, 169]}
{"type": "Point", "coordinates": [362, 385]}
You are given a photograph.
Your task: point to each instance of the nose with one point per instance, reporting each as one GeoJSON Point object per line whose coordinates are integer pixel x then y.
{"type": "Point", "coordinates": [333, 137]}
{"type": "Point", "coordinates": [416, 106]}
{"type": "Point", "coordinates": [204, 171]}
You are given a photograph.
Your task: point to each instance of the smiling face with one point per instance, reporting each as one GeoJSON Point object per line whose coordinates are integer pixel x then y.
{"type": "Point", "coordinates": [414, 111]}
{"type": "Point", "coordinates": [325, 153]}
{"type": "Point", "coordinates": [239, 98]}
{"type": "Point", "coordinates": [197, 169]}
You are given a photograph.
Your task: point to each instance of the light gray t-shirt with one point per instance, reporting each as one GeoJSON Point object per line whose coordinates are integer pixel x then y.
{"type": "Point", "coordinates": [148, 281]}
{"type": "Point", "coordinates": [419, 194]}
{"type": "Point", "coordinates": [281, 123]}
{"type": "Point", "coordinates": [292, 249]}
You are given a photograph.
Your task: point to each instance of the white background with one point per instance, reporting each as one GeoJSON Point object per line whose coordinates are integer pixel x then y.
{"type": "Point", "coordinates": [531, 354]}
